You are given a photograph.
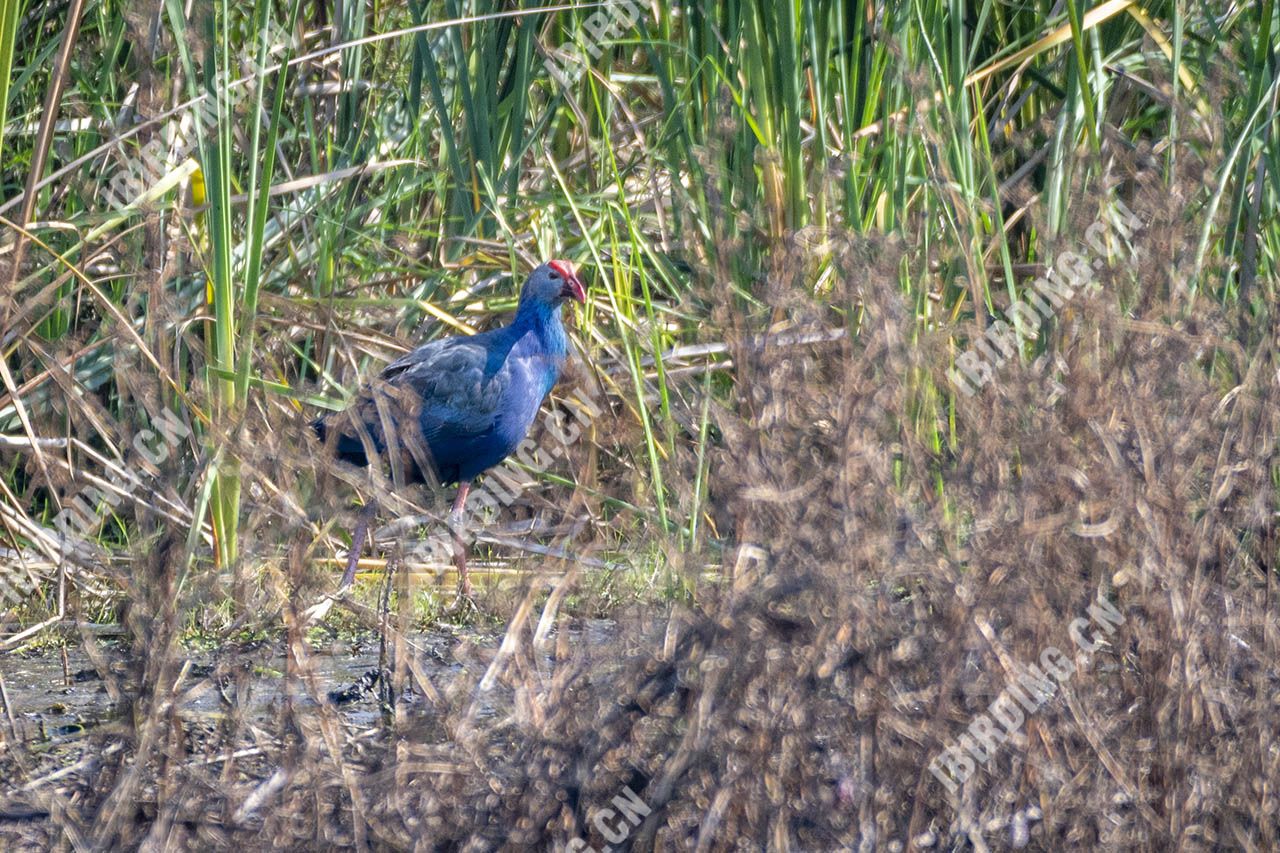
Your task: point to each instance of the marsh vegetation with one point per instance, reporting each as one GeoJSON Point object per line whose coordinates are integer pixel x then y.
{"type": "Point", "coordinates": [797, 541]}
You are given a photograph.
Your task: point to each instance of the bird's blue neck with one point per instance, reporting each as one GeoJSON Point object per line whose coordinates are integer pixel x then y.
{"type": "Point", "coordinates": [543, 320]}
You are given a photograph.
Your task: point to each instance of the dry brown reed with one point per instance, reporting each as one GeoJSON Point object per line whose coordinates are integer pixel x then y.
{"type": "Point", "coordinates": [797, 702]}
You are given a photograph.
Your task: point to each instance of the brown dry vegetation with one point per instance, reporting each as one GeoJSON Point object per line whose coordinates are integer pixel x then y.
{"type": "Point", "coordinates": [795, 703]}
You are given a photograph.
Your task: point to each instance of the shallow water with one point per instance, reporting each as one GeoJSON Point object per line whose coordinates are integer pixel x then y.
{"type": "Point", "coordinates": [53, 700]}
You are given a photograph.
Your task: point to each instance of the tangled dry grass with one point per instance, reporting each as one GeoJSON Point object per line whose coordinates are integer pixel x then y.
{"type": "Point", "coordinates": [878, 592]}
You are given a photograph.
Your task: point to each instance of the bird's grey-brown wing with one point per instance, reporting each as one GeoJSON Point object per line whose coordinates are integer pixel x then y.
{"type": "Point", "coordinates": [459, 384]}
{"type": "Point", "coordinates": [428, 410]}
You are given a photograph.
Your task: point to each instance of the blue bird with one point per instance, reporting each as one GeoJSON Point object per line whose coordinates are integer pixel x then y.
{"type": "Point", "coordinates": [451, 409]}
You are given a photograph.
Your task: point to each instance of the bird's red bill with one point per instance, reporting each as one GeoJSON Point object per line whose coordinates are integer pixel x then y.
{"type": "Point", "coordinates": [573, 288]}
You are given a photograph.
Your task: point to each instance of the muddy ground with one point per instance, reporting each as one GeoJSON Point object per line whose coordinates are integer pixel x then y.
{"type": "Point", "coordinates": [60, 715]}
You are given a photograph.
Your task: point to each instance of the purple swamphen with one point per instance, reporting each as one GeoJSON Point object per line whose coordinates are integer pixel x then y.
{"type": "Point", "coordinates": [453, 408]}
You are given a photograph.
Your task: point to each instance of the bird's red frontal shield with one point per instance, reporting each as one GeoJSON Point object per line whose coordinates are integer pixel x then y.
{"type": "Point", "coordinates": [573, 288]}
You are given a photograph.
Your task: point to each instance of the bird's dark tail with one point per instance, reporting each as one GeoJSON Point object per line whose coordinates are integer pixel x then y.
{"type": "Point", "coordinates": [346, 447]}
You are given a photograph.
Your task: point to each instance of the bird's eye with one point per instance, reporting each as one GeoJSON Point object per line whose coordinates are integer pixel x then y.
{"type": "Point", "coordinates": [555, 276]}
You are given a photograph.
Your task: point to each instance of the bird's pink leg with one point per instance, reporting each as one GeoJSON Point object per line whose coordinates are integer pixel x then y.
{"type": "Point", "coordinates": [357, 543]}
{"type": "Point", "coordinates": [459, 546]}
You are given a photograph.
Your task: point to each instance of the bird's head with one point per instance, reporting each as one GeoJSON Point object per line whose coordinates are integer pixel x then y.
{"type": "Point", "coordinates": [553, 283]}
